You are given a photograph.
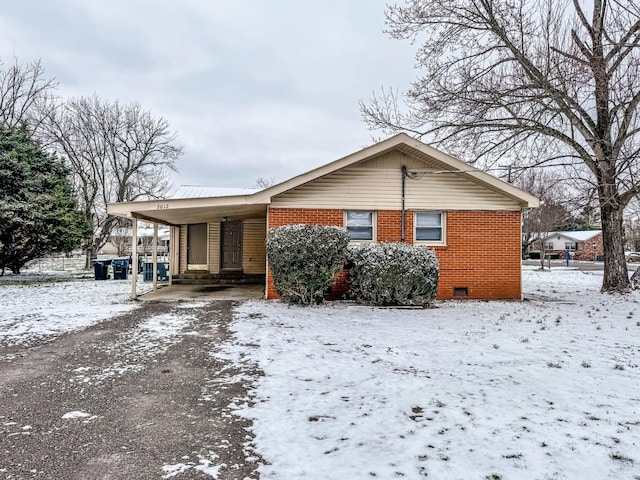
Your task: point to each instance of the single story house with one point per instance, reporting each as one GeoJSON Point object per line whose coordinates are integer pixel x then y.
{"type": "Point", "coordinates": [119, 243]}
{"type": "Point", "coordinates": [398, 190]}
{"type": "Point", "coordinates": [582, 244]}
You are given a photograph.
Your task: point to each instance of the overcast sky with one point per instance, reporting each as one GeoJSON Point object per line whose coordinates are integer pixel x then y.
{"type": "Point", "coordinates": [253, 88]}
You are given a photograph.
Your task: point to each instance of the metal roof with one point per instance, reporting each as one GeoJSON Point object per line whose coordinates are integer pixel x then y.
{"type": "Point", "coordinates": [196, 191]}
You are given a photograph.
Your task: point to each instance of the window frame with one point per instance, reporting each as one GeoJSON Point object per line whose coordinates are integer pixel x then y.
{"type": "Point", "coordinates": [443, 228]}
{"type": "Point", "coordinates": [374, 222]}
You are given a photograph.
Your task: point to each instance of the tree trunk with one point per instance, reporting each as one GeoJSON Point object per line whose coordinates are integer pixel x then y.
{"type": "Point", "coordinates": [616, 277]}
{"type": "Point", "coordinates": [90, 255]}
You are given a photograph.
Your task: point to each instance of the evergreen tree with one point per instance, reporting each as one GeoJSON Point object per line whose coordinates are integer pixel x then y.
{"type": "Point", "coordinates": [38, 212]}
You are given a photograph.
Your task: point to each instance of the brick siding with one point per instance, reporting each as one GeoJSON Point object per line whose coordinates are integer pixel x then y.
{"type": "Point", "coordinates": [590, 249]}
{"type": "Point", "coordinates": [482, 251]}
{"type": "Point", "coordinates": [482, 254]}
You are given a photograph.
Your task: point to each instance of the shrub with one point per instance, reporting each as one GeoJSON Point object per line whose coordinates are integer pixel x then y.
{"type": "Point", "coordinates": [304, 260]}
{"type": "Point", "coordinates": [393, 274]}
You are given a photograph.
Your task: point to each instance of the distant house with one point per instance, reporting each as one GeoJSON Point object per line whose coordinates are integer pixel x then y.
{"type": "Point", "coordinates": [119, 243]}
{"type": "Point", "coordinates": [398, 190]}
{"type": "Point", "coordinates": [583, 244]}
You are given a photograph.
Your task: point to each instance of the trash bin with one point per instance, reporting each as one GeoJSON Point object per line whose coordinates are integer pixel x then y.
{"type": "Point", "coordinates": [148, 272]}
{"type": "Point", "coordinates": [101, 269]}
{"type": "Point", "coordinates": [120, 268]}
{"type": "Point", "coordinates": [163, 271]}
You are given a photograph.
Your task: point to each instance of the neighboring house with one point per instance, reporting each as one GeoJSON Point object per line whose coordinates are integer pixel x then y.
{"type": "Point", "coordinates": [583, 244]}
{"type": "Point", "coordinates": [399, 189]}
{"type": "Point", "coordinates": [119, 243]}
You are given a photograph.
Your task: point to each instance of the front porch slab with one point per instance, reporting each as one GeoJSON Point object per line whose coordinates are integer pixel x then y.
{"type": "Point", "coordinates": [177, 293]}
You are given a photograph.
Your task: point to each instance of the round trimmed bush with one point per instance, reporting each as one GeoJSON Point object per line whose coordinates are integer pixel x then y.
{"type": "Point", "coordinates": [393, 274]}
{"type": "Point", "coordinates": [305, 259]}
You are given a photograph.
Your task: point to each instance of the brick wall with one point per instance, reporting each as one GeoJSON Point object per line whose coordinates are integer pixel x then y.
{"type": "Point", "coordinates": [482, 252]}
{"type": "Point", "coordinates": [389, 227]}
{"type": "Point", "coordinates": [278, 217]}
{"type": "Point", "coordinates": [590, 249]}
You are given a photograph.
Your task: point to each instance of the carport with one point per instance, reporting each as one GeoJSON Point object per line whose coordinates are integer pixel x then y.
{"type": "Point", "coordinates": [203, 225]}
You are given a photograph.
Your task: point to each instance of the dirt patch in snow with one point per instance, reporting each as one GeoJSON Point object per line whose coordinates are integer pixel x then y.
{"type": "Point", "coordinates": [132, 397]}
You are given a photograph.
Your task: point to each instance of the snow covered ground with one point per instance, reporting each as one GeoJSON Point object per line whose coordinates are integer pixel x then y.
{"type": "Point", "coordinates": [33, 310]}
{"type": "Point", "coordinates": [542, 389]}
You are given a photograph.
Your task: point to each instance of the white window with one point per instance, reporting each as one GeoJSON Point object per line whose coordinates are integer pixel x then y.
{"type": "Point", "coordinates": [360, 225]}
{"type": "Point", "coordinates": [430, 227]}
{"type": "Point", "coordinates": [570, 246]}
{"type": "Point", "coordinates": [548, 246]}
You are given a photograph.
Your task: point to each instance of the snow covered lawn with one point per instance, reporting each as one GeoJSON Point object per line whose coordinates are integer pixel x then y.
{"type": "Point", "coordinates": [542, 389]}
{"type": "Point", "coordinates": [33, 311]}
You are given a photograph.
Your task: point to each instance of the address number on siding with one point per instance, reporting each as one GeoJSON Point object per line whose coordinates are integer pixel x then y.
{"type": "Point", "coordinates": [163, 206]}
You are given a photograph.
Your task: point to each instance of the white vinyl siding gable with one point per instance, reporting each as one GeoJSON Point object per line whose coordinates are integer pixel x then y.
{"type": "Point", "coordinates": [376, 184]}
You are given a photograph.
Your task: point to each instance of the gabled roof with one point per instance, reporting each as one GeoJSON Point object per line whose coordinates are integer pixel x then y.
{"type": "Point", "coordinates": [577, 235]}
{"type": "Point", "coordinates": [412, 147]}
{"type": "Point", "coordinates": [207, 204]}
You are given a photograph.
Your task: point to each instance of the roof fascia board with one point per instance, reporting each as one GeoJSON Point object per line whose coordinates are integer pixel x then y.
{"type": "Point", "coordinates": [127, 208]}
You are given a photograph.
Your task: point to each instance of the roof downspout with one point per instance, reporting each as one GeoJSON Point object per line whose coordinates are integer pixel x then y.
{"type": "Point", "coordinates": [404, 177]}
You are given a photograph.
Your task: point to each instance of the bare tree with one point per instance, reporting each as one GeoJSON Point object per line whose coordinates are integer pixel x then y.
{"type": "Point", "coordinates": [121, 236]}
{"type": "Point", "coordinates": [530, 82]}
{"type": "Point", "coordinates": [26, 95]}
{"type": "Point", "coordinates": [264, 182]}
{"type": "Point", "coordinates": [117, 153]}
{"type": "Point", "coordinates": [552, 214]}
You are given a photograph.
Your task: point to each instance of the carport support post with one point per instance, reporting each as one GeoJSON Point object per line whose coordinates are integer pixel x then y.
{"type": "Point", "coordinates": [174, 251]}
{"type": "Point", "coordinates": [134, 258]}
{"type": "Point", "coordinates": [154, 257]}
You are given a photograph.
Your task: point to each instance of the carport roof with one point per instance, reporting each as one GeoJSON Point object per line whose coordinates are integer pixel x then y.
{"type": "Point", "coordinates": [191, 210]}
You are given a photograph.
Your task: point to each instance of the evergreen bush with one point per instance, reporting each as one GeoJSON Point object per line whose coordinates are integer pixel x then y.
{"type": "Point", "coordinates": [393, 274]}
{"type": "Point", "coordinates": [305, 259]}
{"type": "Point", "coordinates": [38, 212]}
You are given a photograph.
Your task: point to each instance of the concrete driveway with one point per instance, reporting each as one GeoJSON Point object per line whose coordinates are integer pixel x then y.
{"type": "Point", "coordinates": [173, 293]}
{"type": "Point", "coordinates": [123, 400]}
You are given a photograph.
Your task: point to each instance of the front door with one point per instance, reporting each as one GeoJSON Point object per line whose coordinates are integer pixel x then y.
{"type": "Point", "coordinates": [197, 246]}
{"type": "Point", "coordinates": [231, 245]}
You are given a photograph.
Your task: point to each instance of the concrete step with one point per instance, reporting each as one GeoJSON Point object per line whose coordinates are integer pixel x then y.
{"type": "Point", "coordinates": [205, 278]}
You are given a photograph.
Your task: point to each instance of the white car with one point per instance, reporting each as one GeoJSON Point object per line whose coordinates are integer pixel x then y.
{"type": "Point", "coordinates": [633, 257]}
